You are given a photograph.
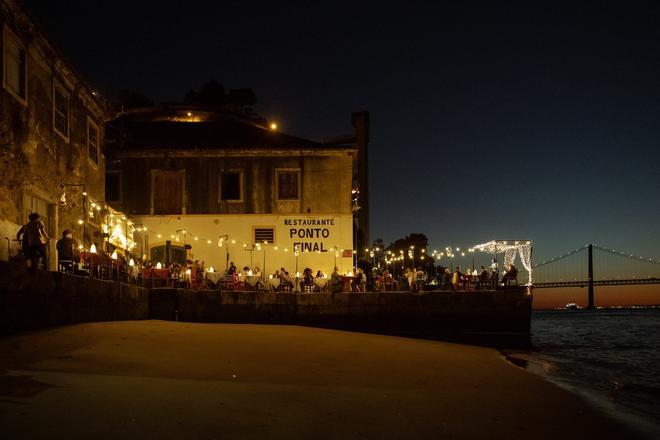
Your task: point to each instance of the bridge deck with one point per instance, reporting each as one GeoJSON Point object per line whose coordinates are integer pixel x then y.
{"type": "Point", "coordinates": [597, 283]}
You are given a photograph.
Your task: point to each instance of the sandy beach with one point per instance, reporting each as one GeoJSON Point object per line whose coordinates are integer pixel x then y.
{"type": "Point", "coordinates": [157, 379]}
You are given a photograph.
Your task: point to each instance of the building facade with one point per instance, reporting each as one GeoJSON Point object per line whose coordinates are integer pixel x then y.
{"type": "Point", "coordinates": [51, 134]}
{"type": "Point", "coordinates": [220, 188]}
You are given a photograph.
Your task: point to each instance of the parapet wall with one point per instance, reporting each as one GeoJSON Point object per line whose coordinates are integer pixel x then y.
{"type": "Point", "coordinates": [473, 316]}
{"type": "Point", "coordinates": [43, 299]}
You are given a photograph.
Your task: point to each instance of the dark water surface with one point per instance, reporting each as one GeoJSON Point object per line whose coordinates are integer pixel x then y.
{"type": "Point", "coordinates": [610, 356]}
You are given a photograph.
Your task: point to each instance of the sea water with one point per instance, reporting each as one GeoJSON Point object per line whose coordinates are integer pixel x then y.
{"type": "Point", "coordinates": [609, 356]}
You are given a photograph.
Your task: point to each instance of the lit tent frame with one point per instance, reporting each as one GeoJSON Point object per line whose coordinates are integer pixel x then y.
{"type": "Point", "coordinates": [510, 249]}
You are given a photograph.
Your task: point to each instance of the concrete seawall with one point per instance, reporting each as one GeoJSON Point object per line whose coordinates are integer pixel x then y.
{"type": "Point", "coordinates": [42, 299]}
{"type": "Point", "coordinates": [485, 317]}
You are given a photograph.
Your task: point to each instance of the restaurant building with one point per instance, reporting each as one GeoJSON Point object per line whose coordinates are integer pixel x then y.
{"type": "Point", "coordinates": [221, 187]}
{"type": "Point", "coordinates": [51, 137]}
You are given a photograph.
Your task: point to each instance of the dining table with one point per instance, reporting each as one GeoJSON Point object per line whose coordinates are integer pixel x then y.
{"type": "Point", "coordinates": [214, 277]}
{"type": "Point", "coordinates": [321, 283]}
{"type": "Point", "coordinates": [251, 280]}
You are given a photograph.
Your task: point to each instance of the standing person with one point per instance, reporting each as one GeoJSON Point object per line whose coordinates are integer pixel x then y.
{"type": "Point", "coordinates": [67, 250]}
{"type": "Point", "coordinates": [456, 278]}
{"type": "Point", "coordinates": [35, 237]}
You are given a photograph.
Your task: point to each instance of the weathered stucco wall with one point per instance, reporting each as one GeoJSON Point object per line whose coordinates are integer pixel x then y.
{"type": "Point", "coordinates": [35, 159]}
{"type": "Point", "coordinates": [326, 181]}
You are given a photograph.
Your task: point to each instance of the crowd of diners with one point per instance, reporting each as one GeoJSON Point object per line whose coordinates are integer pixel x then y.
{"type": "Point", "coordinates": [194, 274]}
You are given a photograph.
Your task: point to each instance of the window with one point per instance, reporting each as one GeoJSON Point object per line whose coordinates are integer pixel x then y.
{"type": "Point", "coordinates": [288, 184]}
{"type": "Point", "coordinates": [231, 186]}
{"type": "Point", "coordinates": [264, 235]}
{"type": "Point", "coordinates": [14, 77]}
{"type": "Point", "coordinates": [112, 187]}
{"type": "Point", "coordinates": [93, 141]}
{"type": "Point", "coordinates": [60, 110]}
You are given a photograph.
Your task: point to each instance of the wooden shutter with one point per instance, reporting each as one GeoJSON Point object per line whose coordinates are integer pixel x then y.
{"type": "Point", "coordinates": [168, 192]}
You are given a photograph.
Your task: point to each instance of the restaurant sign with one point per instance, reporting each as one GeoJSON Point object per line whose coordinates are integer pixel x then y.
{"type": "Point", "coordinates": [311, 234]}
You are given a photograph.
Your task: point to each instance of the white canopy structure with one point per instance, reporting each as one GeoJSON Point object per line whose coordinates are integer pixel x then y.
{"type": "Point", "coordinates": [510, 249]}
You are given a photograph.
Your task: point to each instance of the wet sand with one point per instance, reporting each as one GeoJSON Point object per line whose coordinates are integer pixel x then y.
{"type": "Point", "coordinates": [157, 379]}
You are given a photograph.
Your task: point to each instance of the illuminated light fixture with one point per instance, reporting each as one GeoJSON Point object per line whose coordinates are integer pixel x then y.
{"type": "Point", "coordinates": [80, 247]}
{"type": "Point", "coordinates": [275, 247]}
{"type": "Point", "coordinates": [171, 236]}
{"type": "Point", "coordinates": [144, 228]}
{"type": "Point", "coordinates": [189, 114]}
{"type": "Point", "coordinates": [92, 249]}
{"type": "Point", "coordinates": [273, 126]}
{"type": "Point", "coordinates": [208, 241]}
{"type": "Point", "coordinates": [159, 236]}
{"type": "Point", "coordinates": [114, 255]}
{"type": "Point", "coordinates": [84, 193]}
{"type": "Point", "coordinates": [159, 266]}
{"type": "Point", "coordinates": [131, 263]}
{"type": "Point", "coordinates": [233, 242]}
{"type": "Point", "coordinates": [211, 269]}
{"type": "Point", "coordinates": [80, 222]}
{"type": "Point", "coordinates": [196, 238]}
{"type": "Point", "coordinates": [188, 271]}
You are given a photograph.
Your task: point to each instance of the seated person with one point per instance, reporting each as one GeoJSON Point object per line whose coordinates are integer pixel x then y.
{"type": "Point", "coordinates": [67, 250]}
{"type": "Point", "coordinates": [484, 277]}
{"type": "Point", "coordinates": [337, 281]}
{"type": "Point", "coordinates": [307, 279]}
{"type": "Point", "coordinates": [511, 273]}
{"type": "Point", "coordinates": [383, 280]}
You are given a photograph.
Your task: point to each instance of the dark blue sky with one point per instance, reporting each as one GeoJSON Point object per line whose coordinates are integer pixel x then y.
{"type": "Point", "coordinates": [502, 122]}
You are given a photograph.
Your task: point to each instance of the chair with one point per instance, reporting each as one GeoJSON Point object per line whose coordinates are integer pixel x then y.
{"type": "Point", "coordinates": [389, 284]}
{"type": "Point", "coordinates": [65, 266]}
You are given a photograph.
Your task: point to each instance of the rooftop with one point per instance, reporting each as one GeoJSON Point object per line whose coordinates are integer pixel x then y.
{"type": "Point", "coordinates": [187, 127]}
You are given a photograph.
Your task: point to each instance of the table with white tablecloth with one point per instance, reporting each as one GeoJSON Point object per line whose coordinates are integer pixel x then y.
{"type": "Point", "coordinates": [214, 277]}
{"type": "Point", "coordinates": [321, 283]}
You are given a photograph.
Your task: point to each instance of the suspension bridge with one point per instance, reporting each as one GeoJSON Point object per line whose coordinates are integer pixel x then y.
{"type": "Point", "coordinates": [612, 268]}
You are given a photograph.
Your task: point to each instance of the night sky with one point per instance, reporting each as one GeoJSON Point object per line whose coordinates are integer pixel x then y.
{"type": "Point", "coordinates": [499, 122]}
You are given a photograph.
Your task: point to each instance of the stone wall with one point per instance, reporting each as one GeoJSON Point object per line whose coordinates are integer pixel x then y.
{"type": "Point", "coordinates": [35, 159]}
{"type": "Point", "coordinates": [485, 317]}
{"type": "Point", "coordinates": [43, 299]}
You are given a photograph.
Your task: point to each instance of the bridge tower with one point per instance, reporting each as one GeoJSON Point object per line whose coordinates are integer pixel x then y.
{"type": "Point", "coordinates": [591, 276]}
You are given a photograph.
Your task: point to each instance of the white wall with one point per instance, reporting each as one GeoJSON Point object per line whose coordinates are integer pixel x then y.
{"type": "Point", "coordinates": [324, 242]}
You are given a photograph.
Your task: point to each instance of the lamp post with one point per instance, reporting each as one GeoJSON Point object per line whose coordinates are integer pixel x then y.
{"type": "Point", "coordinates": [221, 241]}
